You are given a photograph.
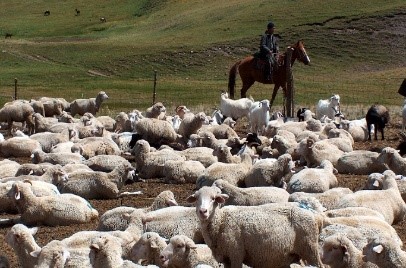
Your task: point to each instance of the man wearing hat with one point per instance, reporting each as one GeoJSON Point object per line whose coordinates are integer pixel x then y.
{"type": "Point", "coordinates": [268, 49]}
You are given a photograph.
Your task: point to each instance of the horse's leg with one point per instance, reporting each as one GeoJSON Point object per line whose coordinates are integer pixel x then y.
{"type": "Point", "coordinates": [275, 90]}
{"type": "Point", "coordinates": [245, 86]}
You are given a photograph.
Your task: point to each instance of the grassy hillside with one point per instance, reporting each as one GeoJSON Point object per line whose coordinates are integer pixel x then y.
{"type": "Point", "coordinates": [357, 49]}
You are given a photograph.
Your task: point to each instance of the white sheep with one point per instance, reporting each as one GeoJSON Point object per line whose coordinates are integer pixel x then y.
{"type": "Point", "coordinates": [182, 171]}
{"type": "Point", "coordinates": [92, 105]}
{"type": "Point", "coordinates": [270, 172]}
{"type": "Point", "coordinates": [238, 234]}
{"type": "Point", "coordinates": [105, 163]}
{"type": "Point", "coordinates": [151, 164]}
{"type": "Point", "coordinates": [19, 147]}
{"type": "Point", "coordinates": [92, 146]}
{"type": "Point", "coordinates": [233, 173]}
{"type": "Point", "coordinates": [21, 239]}
{"type": "Point", "coordinates": [157, 111]}
{"type": "Point", "coordinates": [223, 154]}
{"type": "Point", "coordinates": [156, 131]}
{"type": "Point", "coordinates": [17, 112]}
{"type": "Point", "coordinates": [181, 251]}
{"type": "Point", "coordinates": [49, 139]}
{"type": "Point", "coordinates": [202, 154]}
{"type": "Point", "coordinates": [234, 108]}
{"type": "Point", "coordinates": [148, 248]}
{"type": "Point", "coordinates": [97, 184]}
{"type": "Point", "coordinates": [54, 210]}
{"type": "Point", "coordinates": [259, 116]}
{"type": "Point", "coordinates": [114, 219]}
{"type": "Point", "coordinates": [123, 140]}
{"type": "Point", "coordinates": [42, 123]}
{"type": "Point", "coordinates": [314, 152]}
{"type": "Point", "coordinates": [251, 196]}
{"type": "Point", "coordinates": [52, 106]}
{"type": "Point", "coordinates": [107, 122]}
{"type": "Point", "coordinates": [38, 156]}
{"type": "Point", "coordinates": [387, 201]}
{"type": "Point", "coordinates": [314, 180]}
{"type": "Point", "coordinates": [329, 107]}
{"type": "Point", "coordinates": [374, 182]}
{"type": "Point", "coordinates": [359, 162]}
{"type": "Point", "coordinates": [122, 123]}
{"type": "Point", "coordinates": [191, 124]}
{"type": "Point", "coordinates": [8, 168]}
{"type": "Point", "coordinates": [358, 133]}
{"type": "Point", "coordinates": [384, 252]}
{"type": "Point", "coordinates": [392, 160]}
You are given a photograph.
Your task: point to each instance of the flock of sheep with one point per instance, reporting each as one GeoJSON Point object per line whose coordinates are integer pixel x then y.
{"type": "Point", "coordinates": [267, 199]}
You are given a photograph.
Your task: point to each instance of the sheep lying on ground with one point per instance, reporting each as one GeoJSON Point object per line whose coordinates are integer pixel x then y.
{"type": "Point", "coordinates": [269, 172]}
{"type": "Point", "coordinates": [183, 252]}
{"type": "Point", "coordinates": [202, 154]}
{"type": "Point", "coordinates": [234, 108]}
{"type": "Point", "coordinates": [314, 152]}
{"type": "Point", "coordinates": [97, 184]}
{"type": "Point", "coordinates": [92, 105]}
{"type": "Point", "coordinates": [359, 162]}
{"type": "Point", "coordinates": [157, 111]}
{"type": "Point", "coordinates": [191, 124]}
{"type": "Point", "coordinates": [223, 154]}
{"type": "Point", "coordinates": [8, 168]}
{"type": "Point", "coordinates": [251, 196]}
{"type": "Point", "coordinates": [114, 219]}
{"type": "Point", "coordinates": [238, 234]}
{"type": "Point", "coordinates": [49, 139]}
{"type": "Point", "coordinates": [329, 199]}
{"type": "Point", "coordinates": [38, 156]}
{"type": "Point", "coordinates": [387, 201]}
{"type": "Point", "coordinates": [377, 115]}
{"type": "Point", "coordinates": [314, 180]}
{"type": "Point", "coordinates": [105, 163]}
{"type": "Point", "coordinates": [54, 210]}
{"type": "Point", "coordinates": [42, 123]}
{"type": "Point", "coordinates": [21, 239]}
{"type": "Point", "coordinates": [374, 182]}
{"type": "Point", "coordinates": [328, 107]}
{"type": "Point", "coordinates": [392, 160]}
{"type": "Point", "coordinates": [155, 131]}
{"type": "Point", "coordinates": [181, 171]}
{"type": "Point", "coordinates": [148, 248]}
{"type": "Point", "coordinates": [233, 173]}
{"type": "Point", "coordinates": [92, 146]}
{"type": "Point", "coordinates": [151, 164]}
{"type": "Point", "coordinates": [384, 252]}
{"type": "Point", "coordinates": [19, 147]}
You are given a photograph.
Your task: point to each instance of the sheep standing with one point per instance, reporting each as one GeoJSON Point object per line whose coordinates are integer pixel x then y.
{"type": "Point", "coordinates": [56, 210]}
{"type": "Point", "coordinates": [183, 252]}
{"type": "Point", "coordinates": [329, 107]}
{"type": "Point", "coordinates": [157, 111]}
{"type": "Point", "coordinates": [238, 235]}
{"type": "Point", "coordinates": [17, 112]}
{"type": "Point", "coordinates": [92, 105]}
{"type": "Point", "coordinates": [234, 108]}
{"type": "Point", "coordinates": [377, 115]}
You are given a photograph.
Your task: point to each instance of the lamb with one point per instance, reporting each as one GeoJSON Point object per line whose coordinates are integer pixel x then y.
{"type": "Point", "coordinates": [238, 234]}
{"type": "Point", "coordinates": [157, 111]}
{"type": "Point", "coordinates": [384, 252]}
{"type": "Point", "coordinates": [92, 105]}
{"type": "Point", "coordinates": [151, 164]}
{"type": "Point", "coordinates": [233, 173]}
{"type": "Point", "coordinates": [181, 171]}
{"type": "Point", "coordinates": [259, 116]}
{"type": "Point", "coordinates": [285, 145]}
{"type": "Point", "coordinates": [55, 210]}
{"type": "Point", "coordinates": [264, 173]}
{"type": "Point", "coordinates": [235, 108]}
{"type": "Point", "coordinates": [329, 199]}
{"type": "Point", "coordinates": [19, 147]}
{"type": "Point", "coordinates": [223, 154]}
{"type": "Point", "coordinates": [183, 252]}
{"type": "Point", "coordinates": [387, 201]}
{"type": "Point", "coordinates": [359, 162]}
{"type": "Point", "coordinates": [392, 160]}
{"type": "Point", "coordinates": [105, 163]}
{"type": "Point", "coordinates": [377, 115]}
{"type": "Point", "coordinates": [17, 112]}
{"type": "Point", "coordinates": [148, 249]}
{"type": "Point", "coordinates": [97, 184]}
{"type": "Point", "coordinates": [92, 146]}
{"type": "Point", "coordinates": [314, 180]}
{"type": "Point", "coordinates": [315, 152]}
{"type": "Point", "coordinates": [21, 239]}
{"type": "Point", "coordinates": [38, 156]}
{"type": "Point", "coordinates": [191, 124]}
{"type": "Point", "coordinates": [251, 196]}
{"type": "Point", "coordinates": [329, 107]}
{"type": "Point", "coordinates": [114, 219]}
{"type": "Point", "coordinates": [155, 131]}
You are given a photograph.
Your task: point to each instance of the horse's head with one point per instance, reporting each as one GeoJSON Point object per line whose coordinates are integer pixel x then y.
{"type": "Point", "coordinates": [300, 52]}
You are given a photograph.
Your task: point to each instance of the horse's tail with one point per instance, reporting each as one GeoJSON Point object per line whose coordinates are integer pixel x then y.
{"type": "Point", "coordinates": [231, 79]}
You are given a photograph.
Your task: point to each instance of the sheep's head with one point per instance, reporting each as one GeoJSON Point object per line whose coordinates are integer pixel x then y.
{"type": "Point", "coordinates": [207, 199]}
{"type": "Point", "coordinates": [148, 242]}
{"type": "Point", "coordinates": [178, 245]}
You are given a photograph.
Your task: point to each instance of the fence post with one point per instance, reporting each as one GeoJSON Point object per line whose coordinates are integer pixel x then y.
{"type": "Point", "coordinates": [289, 85]}
{"type": "Point", "coordinates": [15, 88]}
{"type": "Point", "coordinates": [154, 93]}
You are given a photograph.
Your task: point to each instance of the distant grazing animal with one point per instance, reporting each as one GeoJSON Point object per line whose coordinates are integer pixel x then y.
{"type": "Point", "coordinates": [77, 12]}
{"type": "Point", "coordinates": [8, 35]}
{"type": "Point", "coordinates": [249, 74]}
{"type": "Point", "coordinates": [47, 13]}
{"type": "Point", "coordinates": [378, 116]}
{"type": "Point", "coordinates": [103, 19]}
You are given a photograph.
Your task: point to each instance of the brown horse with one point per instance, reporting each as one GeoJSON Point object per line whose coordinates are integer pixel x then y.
{"type": "Point", "coordinates": [249, 74]}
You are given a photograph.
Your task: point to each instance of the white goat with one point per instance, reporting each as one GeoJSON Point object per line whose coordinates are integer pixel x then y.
{"type": "Point", "coordinates": [328, 107]}
{"type": "Point", "coordinates": [259, 116]}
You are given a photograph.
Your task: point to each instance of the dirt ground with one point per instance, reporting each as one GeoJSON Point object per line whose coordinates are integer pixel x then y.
{"type": "Point", "coordinates": [152, 188]}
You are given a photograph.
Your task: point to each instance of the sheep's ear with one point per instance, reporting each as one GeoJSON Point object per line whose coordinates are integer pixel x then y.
{"type": "Point", "coordinates": [153, 244]}
{"type": "Point", "coordinates": [191, 199]}
{"type": "Point", "coordinates": [126, 216]}
{"type": "Point", "coordinates": [17, 195]}
{"type": "Point", "coordinates": [378, 249]}
{"type": "Point", "coordinates": [191, 244]}
{"type": "Point", "coordinates": [335, 171]}
{"type": "Point", "coordinates": [171, 202]}
{"type": "Point", "coordinates": [376, 183]}
{"type": "Point", "coordinates": [35, 253]}
{"type": "Point", "coordinates": [94, 246]}
{"type": "Point", "coordinates": [33, 230]}
{"type": "Point", "coordinates": [221, 198]}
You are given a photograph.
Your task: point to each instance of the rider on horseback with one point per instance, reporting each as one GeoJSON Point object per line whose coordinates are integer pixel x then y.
{"type": "Point", "coordinates": [268, 49]}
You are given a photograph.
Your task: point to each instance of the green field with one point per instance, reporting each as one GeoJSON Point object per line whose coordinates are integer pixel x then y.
{"type": "Point", "coordinates": [357, 49]}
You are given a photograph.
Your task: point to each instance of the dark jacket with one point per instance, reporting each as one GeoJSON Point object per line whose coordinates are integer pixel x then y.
{"type": "Point", "coordinates": [268, 44]}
